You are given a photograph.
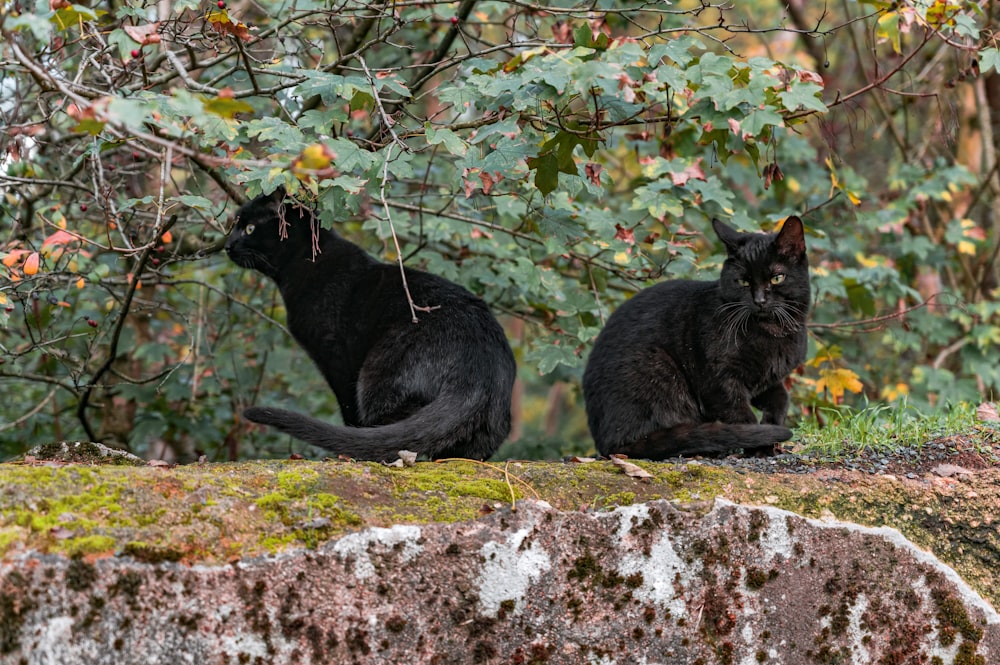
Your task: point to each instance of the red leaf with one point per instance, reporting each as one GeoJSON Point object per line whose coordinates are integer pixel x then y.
{"type": "Point", "coordinates": [593, 172]}
{"type": "Point", "coordinates": [693, 171]}
{"type": "Point", "coordinates": [627, 235]}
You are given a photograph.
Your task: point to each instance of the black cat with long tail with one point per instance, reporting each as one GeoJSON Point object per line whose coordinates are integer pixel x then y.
{"type": "Point", "coordinates": [440, 387]}
{"type": "Point", "coordinates": [678, 367]}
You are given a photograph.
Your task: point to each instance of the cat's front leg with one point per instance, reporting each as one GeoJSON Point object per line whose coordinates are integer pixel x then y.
{"type": "Point", "coordinates": [773, 404]}
{"type": "Point", "coordinates": [728, 403]}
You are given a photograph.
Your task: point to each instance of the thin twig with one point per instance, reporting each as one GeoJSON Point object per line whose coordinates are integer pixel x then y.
{"type": "Point", "coordinates": [386, 120]}
{"type": "Point", "coordinates": [878, 319]}
{"type": "Point", "coordinates": [492, 466]}
{"type": "Point", "coordinates": [414, 308]}
{"type": "Point", "coordinates": [29, 414]}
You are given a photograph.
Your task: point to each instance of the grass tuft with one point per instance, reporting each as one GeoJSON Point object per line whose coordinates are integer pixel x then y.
{"type": "Point", "coordinates": [879, 427]}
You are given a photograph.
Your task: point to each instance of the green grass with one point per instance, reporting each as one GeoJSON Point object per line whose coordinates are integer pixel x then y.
{"type": "Point", "coordinates": [880, 427]}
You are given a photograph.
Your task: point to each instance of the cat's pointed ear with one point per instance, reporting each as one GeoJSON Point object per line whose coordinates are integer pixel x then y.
{"type": "Point", "coordinates": [729, 236]}
{"type": "Point", "coordinates": [791, 240]}
{"type": "Point", "coordinates": [278, 195]}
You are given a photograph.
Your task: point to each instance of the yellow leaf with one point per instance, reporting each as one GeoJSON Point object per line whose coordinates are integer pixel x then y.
{"type": "Point", "coordinates": [966, 247]}
{"type": "Point", "coordinates": [837, 381]}
{"type": "Point", "coordinates": [31, 264]}
{"type": "Point", "coordinates": [867, 261]}
{"type": "Point", "coordinates": [315, 159]}
{"type": "Point", "coordinates": [621, 258]}
{"type": "Point", "coordinates": [893, 393]}
{"type": "Point", "coordinates": [80, 283]}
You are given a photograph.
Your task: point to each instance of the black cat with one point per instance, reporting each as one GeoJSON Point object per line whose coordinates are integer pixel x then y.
{"type": "Point", "coordinates": [677, 367]}
{"type": "Point", "coordinates": [440, 387]}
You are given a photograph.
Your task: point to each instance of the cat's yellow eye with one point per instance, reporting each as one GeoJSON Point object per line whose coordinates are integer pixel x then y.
{"type": "Point", "coordinates": [249, 229]}
{"type": "Point", "coordinates": [777, 279]}
{"type": "Point", "coordinates": [743, 282]}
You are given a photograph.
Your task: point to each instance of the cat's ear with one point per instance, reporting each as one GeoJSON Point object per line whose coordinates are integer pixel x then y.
{"type": "Point", "coordinates": [729, 236]}
{"type": "Point", "coordinates": [278, 195]}
{"type": "Point", "coordinates": [791, 240]}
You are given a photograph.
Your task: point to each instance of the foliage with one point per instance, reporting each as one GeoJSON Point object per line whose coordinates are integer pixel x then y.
{"type": "Point", "coordinates": [553, 159]}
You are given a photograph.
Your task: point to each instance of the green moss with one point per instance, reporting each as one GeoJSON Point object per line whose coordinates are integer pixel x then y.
{"type": "Point", "coordinates": [93, 544]}
{"type": "Point", "coordinates": [8, 536]}
{"type": "Point", "coordinates": [617, 499]}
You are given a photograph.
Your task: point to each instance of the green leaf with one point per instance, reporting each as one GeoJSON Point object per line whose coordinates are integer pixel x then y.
{"type": "Point", "coordinates": [546, 168]}
{"type": "Point", "coordinates": [120, 39]}
{"type": "Point", "coordinates": [989, 58]}
{"type": "Point", "coordinates": [196, 202]}
{"type": "Point", "coordinates": [888, 29]}
{"type": "Point", "coordinates": [861, 299]}
{"type": "Point", "coordinates": [72, 16]}
{"type": "Point", "coordinates": [452, 142]}
{"type": "Point", "coordinates": [39, 26]}
{"type": "Point", "coordinates": [274, 130]}
{"type": "Point", "coordinates": [803, 95]}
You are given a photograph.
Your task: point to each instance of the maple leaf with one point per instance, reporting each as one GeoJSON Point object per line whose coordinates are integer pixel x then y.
{"type": "Point", "coordinates": [489, 180]}
{"type": "Point", "coordinates": [692, 171]}
{"type": "Point", "coordinates": [626, 235]}
{"type": "Point", "coordinates": [837, 382]}
{"type": "Point", "coordinates": [222, 23]}
{"type": "Point", "coordinates": [144, 34]}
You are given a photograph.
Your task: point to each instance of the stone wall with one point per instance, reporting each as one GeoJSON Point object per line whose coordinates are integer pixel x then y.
{"type": "Point", "coordinates": [645, 583]}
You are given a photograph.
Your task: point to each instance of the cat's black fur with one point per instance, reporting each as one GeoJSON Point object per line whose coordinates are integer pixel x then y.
{"type": "Point", "coordinates": [440, 387]}
{"type": "Point", "coordinates": [677, 367]}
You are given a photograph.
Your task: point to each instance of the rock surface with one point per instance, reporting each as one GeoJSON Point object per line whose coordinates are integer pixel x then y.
{"type": "Point", "coordinates": [339, 562]}
{"type": "Point", "coordinates": [646, 583]}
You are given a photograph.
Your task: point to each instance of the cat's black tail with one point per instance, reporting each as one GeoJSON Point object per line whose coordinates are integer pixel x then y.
{"type": "Point", "coordinates": [709, 439]}
{"type": "Point", "coordinates": [450, 426]}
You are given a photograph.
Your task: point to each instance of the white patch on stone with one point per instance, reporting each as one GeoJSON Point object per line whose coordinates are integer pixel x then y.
{"type": "Point", "coordinates": [776, 540]}
{"type": "Point", "coordinates": [629, 516]}
{"type": "Point", "coordinates": [242, 645]}
{"type": "Point", "coordinates": [659, 570]}
{"type": "Point", "coordinates": [859, 652]}
{"type": "Point", "coordinates": [892, 536]}
{"type": "Point", "coordinates": [509, 571]}
{"type": "Point", "coordinates": [357, 545]}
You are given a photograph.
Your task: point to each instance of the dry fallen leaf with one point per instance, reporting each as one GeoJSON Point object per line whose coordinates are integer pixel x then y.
{"type": "Point", "coordinates": [987, 411]}
{"type": "Point", "coordinates": [630, 469]}
{"type": "Point", "coordinates": [408, 458]}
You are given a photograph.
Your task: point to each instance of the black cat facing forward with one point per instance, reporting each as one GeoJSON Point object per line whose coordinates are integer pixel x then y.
{"type": "Point", "coordinates": [678, 367]}
{"type": "Point", "coordinates": [440, 387]}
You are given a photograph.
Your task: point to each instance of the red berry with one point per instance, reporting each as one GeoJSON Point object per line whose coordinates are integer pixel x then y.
{"type": "Point", "coordinates": [221, 4]}
{"type": "Point", "coordinates": [160, 249]}
{"type": "Point", "coordinates": [92, 323]}
{"type": "Point", "coordinates": [83, 207]}
{"type": "Point", "coordinates": [136, 53]}
{"type": "Point", "coordinates": [136, 155]}
{"type": "Point", "coordinates": [454, 20]}
{"type": "Point", "coordinates": [156, 261]}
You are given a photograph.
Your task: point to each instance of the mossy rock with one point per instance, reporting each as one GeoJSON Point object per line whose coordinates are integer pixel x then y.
{"type": "Point", "coordinates": [82, 452]}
